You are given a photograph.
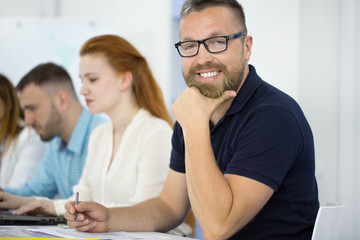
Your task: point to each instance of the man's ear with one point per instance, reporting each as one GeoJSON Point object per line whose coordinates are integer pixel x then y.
{"type": "Point", "coordinates": [62, 100]}
{"type": "Point", "coordinates": [248, 46]}
{"type": "Point", "coordinates": [126, 80]}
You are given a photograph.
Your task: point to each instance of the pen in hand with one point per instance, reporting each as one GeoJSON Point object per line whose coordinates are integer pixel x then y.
{"type": "Point", "coordinates": [76, 203]}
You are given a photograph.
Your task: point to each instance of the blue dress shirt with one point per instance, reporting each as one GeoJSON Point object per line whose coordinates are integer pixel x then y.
{"type": "Point", "coordinates": [62, 165]}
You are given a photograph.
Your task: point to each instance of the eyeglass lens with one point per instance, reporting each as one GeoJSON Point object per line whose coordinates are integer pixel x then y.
{"type": "Point", "coordinates": [214, 45]}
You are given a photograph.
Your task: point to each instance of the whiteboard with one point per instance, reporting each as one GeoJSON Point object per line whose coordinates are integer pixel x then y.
{"type": "Point", "coordinates": [27, 42]}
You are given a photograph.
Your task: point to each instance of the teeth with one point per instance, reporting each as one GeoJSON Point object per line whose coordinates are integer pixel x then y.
{"type": "Point", "coordinates": [209, 74]}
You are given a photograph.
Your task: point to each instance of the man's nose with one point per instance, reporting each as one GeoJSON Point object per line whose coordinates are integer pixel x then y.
{"type": "Point", "coordinates": [204, 56]}
{"type": "Point", "coordinates": [29, 118]}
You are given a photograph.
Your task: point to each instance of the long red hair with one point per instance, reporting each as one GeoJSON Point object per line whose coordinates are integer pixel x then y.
{"type": "Point", "coordinates": [10, 126]}
{"type": "Point", "coordinates": [123, 57]}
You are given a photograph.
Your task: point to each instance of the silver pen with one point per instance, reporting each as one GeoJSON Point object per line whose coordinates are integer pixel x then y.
{"type": "Point", "coordinates": [76, 203]}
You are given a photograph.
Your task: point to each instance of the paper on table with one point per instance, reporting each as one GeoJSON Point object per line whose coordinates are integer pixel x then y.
{"type": "Point", "coordinates": [72, 233]}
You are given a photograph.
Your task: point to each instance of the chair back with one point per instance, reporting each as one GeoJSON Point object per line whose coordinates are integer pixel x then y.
{"type": "Point", "coordinates": [328, 222]}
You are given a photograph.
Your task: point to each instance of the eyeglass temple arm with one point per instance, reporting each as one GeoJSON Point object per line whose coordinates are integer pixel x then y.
{"type": "Point", "coordinates": [236, 35]}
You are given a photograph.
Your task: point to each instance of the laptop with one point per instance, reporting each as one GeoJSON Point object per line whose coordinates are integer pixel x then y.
{"type": "Point", "coordinates": [6, 218]}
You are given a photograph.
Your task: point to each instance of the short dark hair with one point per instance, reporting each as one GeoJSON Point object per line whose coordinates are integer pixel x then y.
{"type": "Point", "coordinates": [48, 74]}
{"type": "Point", "coordinates": [199, 5]}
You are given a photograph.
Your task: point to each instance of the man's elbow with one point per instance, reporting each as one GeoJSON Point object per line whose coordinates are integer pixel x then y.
{"type": "Point", "coordinates": [219, 232]}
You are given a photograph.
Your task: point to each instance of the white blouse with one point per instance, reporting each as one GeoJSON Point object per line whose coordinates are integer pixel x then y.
{"type": "Point", "coordinates": [21, 160]}
{"type": "Point", "coordinates": [138, 170]}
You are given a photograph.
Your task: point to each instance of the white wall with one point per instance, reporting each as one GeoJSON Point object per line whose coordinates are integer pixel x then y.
{"type": "Point", "coordinates": [319, 73]}
{"type": "Point", "coordinates": [349, 116]}
{"type": "Point", "coordinates": [275, 52]}
{"type": "Point", "coordinates": [149, 31]}
{"type": "Point", "coordinates": [329, 56]}
{"type": "Point", "coordinates": [29, 41]}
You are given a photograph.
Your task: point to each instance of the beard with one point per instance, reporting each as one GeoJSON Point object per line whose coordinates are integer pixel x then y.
{"type": "Point", "coordinates": [52, 126]}
{"type": "Point", "coordinates": [231, 80]}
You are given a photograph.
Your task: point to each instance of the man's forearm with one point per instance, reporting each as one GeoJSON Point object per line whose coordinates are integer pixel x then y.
{"type": "Point", "coordinates": [150, 215]}
{"type": "Point", "coordinates": [209, 192]}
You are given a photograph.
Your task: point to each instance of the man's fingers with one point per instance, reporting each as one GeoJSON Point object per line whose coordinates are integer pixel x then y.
{"type": "Point", "coordinates": [79, 207]}
{"type": "Point", "coordinates": [80, 225]}
{"type": "Point", "coordinates": [86, 228]}
{"type": "Point", "coordinates": [26, 208]}
{"type": "Point", "coordinates": [231, 93]}
{"type": "Point", "coordinates": [80, 217]}
{"type": "Point", "coordinates": [227, 95]}
{"type": "Point", "coordinates": [69, 215]}
{"type": "Point", "coordinates": [20, 211]}
{"type": "Point", "coordinates": [71, 207]}
{"type": "Point", "coordinates": [223, 98]}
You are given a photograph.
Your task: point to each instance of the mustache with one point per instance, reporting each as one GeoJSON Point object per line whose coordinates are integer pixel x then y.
{"type": "Point", "coordinates": [207, 66]}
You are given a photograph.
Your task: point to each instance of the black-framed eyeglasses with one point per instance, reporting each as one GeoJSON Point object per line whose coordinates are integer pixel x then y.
{"type": "Point", "coordinates": [213, 45]}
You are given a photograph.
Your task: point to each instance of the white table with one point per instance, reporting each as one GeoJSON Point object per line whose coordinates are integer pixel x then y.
{"type": "Point", "coordinates": [21, 232]}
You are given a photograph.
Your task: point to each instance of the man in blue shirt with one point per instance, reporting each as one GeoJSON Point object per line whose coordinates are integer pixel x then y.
{"type": "Point", "coordinates": [52, 108]}
{"type": "Point", "coordinates": [243, 151]}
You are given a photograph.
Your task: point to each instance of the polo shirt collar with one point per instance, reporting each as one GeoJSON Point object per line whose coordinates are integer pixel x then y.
{"type": "Point", "coordinates": [252, 82]}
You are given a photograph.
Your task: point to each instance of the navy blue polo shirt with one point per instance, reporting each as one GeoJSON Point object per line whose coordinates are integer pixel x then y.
{"type": "Point", "coordinates": [265, 136]}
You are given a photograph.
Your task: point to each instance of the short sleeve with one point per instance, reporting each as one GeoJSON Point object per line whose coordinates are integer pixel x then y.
{"type": "Point", "coordinates": [177, 159]}
{"type": "Point", "coordinates": [267, 146]}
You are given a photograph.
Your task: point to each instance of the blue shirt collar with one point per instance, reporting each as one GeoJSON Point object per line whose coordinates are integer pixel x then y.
{"type": "Point", "coordinates": [78, 136]}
